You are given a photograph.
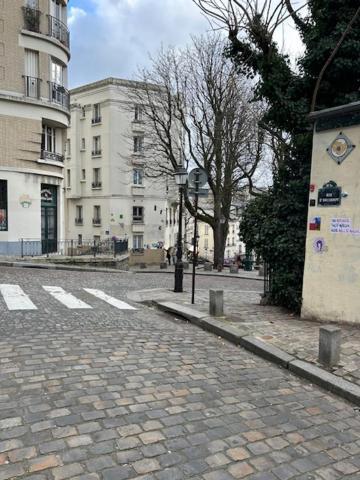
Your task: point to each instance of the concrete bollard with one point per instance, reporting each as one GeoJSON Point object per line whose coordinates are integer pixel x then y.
{"type": "Point", "coordinates": [234, 269]}
{"type": "Point", "coordinates": [329, 345]}
{"type": "Point", "coordinates": [216, 304]}
{"type": "Point", "coordinates": [163, 265]}
{"type": "Point", "coordinates": [208, 267]}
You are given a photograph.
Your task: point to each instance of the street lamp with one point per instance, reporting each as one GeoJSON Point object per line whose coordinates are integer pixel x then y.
{"type": "Point", "coordinates": [181, 177]}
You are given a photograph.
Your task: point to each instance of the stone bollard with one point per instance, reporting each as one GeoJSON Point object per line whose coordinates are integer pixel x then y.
{"type": "Point", "coordinates": [163, 265]}
{"type": "Point", "coordinates": [186, 265]}
{"type": "Point", "coordinates": [329, 345]}
{"type": "Point", "coordinates": [234, 269]}
{"type": "Point", "coordinates": [208, 267]}
{"type": "Point", "coordinates": [216, 304]}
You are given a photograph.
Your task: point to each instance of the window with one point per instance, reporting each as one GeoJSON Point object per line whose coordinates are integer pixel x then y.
{"type": "Point", "coordinates": [155, 208]}
{"type": "Point", "coordinates": [83, 112]}
{"type": "Point", "coordinates": [206, 229]}
{"type": "Point", "coordinates": [3, 206]}
{"type": "Point", "coordinates": [68, 146]}
{"type": "Point", "coordinates": [138, 113]}
{"type": "Point", "coordinates": [83, 174]}
{"type": "Point", "coordinates": [97, 215]}
{"type": "Point", "coordinates": [138, 144]}
{"type": "Point", "coordinates": [68, 178]}
{"type": "Point", "coordinates": [48, 139]}
{"type": "Point", "coordinates": [206, 243]}
{"type": "Point", "coordinates": [96, 239]}
{"type": "Point", "coordinates": [96, 145]}
{"type": "Point", "coordinates": [137, 176]}
{"type": "Point", "coordinates": [138, 214]}
{"type": "Point", "coordinates": [57, 73]}
{"type": "Point", "coordinates": [233, 241]}
{"type": "Point", "coordinates": [83, 144]}
{"type": "Point", "coordinates": [79, 214]}
{"type": "Point", "coordinates": [96, 178]}
{"type": "Point", "coordinates": [96, 113]}
{"type": "Point", "coordinates": [32, 81]}
{"type": "Point", "coordinates": [138, 241]}
{"type": "Point", "coordinates": [80, 239]}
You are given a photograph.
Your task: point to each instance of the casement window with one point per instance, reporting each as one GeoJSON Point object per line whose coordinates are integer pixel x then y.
{"type": "Point", "coordinates": [206, 229]}
{"type": "Point", "coordinates": [48, 140]}
{"type": "Point", "coordinates": [97, 213]}
{"type": "Point", "coordinates": [96, 178]}
{"type": "Point", "coordinates": [137, 176]}
{"type": "Point", "coordinates": [3, 206]}
{"type": "Point", "coordinates": [79, 213]}
{"type": "Point", "coordinates": [139, 144]}
{"type": "Point", "coordinates": [83, 144]}
{"type": "Point", "coordinates": [57, 72]}
{"type": "Point", "coordinates": [138, 242]}
{"type": "Point", "coordinates": [138, 113]}
{"type": "Point", "coordinates": [83, 174]}
{"type": "Point", "coordinates": [206, 243]}
{"type": "Point", "coordinates": [138, 214]}
{"type": "Point", "coordinates": [96, 145]}
{"type": "Point", "coordinates": [68, 178]}
{"type": "Point", "coordinates": [96, 118]}
{"type": "Point", "coordinates": [32, 81]}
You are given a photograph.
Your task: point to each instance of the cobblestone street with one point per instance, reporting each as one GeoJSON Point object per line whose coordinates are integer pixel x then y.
{"type": "Point", "coordinates": [106, 393]}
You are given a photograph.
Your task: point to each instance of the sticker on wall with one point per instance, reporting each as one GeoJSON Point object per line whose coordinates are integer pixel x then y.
{"type": "Point", "coordinates": [312, 202]}
{"type": "Point", "coordinates": [312, 187]}
{"type": "Point", "coordinates": [319, 245]}
{"type": "Point", "coordinates": [315, 223]}
{"type": "Point", "coordinates": [25, 201]}
{"type": "Point", "coordinates": [343, 225]}
{"type": "Point", "coordinates": [340, 148]}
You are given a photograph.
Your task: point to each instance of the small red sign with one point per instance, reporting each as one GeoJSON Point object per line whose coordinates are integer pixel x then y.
{"type": "Point", "coordinates": [312, 187]}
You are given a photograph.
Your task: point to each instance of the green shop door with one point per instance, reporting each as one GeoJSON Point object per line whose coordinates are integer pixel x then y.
{"type": "Point", "coordinates": [48, 218]}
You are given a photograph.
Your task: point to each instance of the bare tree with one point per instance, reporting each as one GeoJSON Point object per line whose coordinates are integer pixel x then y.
{"type": "Point", "coordinates": [198, 112]}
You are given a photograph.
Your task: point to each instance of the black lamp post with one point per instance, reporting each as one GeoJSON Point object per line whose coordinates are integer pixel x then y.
{"type": "Point", "coordinates": [181, 177]}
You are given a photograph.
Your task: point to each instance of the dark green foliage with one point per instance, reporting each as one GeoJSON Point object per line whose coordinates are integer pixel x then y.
{"type": "Point", "coordinates": [275, 225]}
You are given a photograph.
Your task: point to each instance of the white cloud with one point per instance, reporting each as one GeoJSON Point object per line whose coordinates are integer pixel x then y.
{"type": "Point", "coordinates": [74, 14]}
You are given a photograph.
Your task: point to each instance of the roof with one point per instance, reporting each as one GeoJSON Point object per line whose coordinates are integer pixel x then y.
{"type": "Point", "coordinates": [107, 82]}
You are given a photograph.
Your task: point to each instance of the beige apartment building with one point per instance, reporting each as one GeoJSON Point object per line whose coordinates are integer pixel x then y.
{"type": "Point", "coordinates": [107, 191]}
{"type": "Point", "coordinates": [34, 116]}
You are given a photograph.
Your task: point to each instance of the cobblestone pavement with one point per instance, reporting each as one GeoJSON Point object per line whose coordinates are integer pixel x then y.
{"type": "Point", "coordinates": [111, 394]}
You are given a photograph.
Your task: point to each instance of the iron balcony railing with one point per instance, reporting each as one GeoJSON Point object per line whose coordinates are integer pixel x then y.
{"type": "Point", "coordinates": [96, 120]}
{"type": "Point", "coordinates": [79, 221]}
{"type": "Point", "coordinates": [52, 156]}
{"type": "Point", "coordinates": [96, 152]}
{"type": "Point", "coordinates": [31, 19]}
{"type": "Point", "coordinates": [59, 95]}
{"type": "Point", "coordinates": [32, 86]}
{"type": "Point", "coordinates": [97, 221]}
{"type": "Point", "coordinates": [58, 30]}
{"type": "Point", "coordinates": [96, 184]}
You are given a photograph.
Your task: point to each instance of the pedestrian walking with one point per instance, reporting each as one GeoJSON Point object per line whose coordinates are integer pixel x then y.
{"type": "Point", "coordinates": [173, 255]}
{"type": "Point", "coordinates": [168, 255]}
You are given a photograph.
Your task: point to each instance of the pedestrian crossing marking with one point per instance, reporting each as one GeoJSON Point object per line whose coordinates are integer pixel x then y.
{"type": "Point", "coordinates": [15, 298]}
{"type": "Point", "coordinates": [66, 298]}
{"type": "Point", "coordinates": [108, 299]}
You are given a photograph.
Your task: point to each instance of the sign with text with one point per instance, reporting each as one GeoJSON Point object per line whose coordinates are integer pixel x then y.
{"type": "Point", "coordinates": [329, 195]}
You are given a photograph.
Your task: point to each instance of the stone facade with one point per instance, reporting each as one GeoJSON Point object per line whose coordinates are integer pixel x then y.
{"type": "Point", "coordinates": [33, 100]}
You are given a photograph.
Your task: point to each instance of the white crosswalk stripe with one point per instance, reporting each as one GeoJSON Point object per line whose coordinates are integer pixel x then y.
{"type": "Point", "coordinates": [65, 298]}
{"type": "Point", "coordinates": [108, 299]}
{"type": "Point", "coordinates": [15, 298]}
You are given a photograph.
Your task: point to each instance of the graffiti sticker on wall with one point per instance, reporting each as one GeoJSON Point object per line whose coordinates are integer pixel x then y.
{"type": "Point", "coordinates": [315, 223]}
{"type": "Point", "coordinates": [319, 245]}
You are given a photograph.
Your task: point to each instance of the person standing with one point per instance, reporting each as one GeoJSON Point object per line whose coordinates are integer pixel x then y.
{"type": "Point", "coordinates": [168, 255]}
{"type": "Point", "coordinates": [173, 255]}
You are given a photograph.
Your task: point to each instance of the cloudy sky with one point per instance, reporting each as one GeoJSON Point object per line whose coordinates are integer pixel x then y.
{"type": "Point", "coordinates": [115, 37]}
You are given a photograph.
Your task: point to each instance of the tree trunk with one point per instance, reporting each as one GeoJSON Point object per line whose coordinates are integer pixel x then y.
{"type": "Point", "coordinates": [220, 235]}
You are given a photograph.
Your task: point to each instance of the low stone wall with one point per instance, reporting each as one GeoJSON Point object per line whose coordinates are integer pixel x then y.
{"type": "Point", "coordinates": [147, 257]}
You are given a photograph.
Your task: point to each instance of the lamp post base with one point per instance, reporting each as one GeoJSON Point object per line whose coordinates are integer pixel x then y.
{"type": "Point", "coordinates": [179, 275]}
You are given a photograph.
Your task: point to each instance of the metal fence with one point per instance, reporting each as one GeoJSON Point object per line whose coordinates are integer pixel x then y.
{"type": "Point", "coordinates": [72, 248]}
{"type": "Point", "coordinates": [267, 279]}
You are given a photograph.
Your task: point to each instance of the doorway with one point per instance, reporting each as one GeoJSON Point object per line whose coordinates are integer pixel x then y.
{"type": "Point", "coordinates": [48, 218]}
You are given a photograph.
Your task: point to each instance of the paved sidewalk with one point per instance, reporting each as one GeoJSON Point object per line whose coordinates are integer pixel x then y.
{"type": "Point", "coordinates": [253, 275]}
{"type": "Point", "coordinates": [272, 325]}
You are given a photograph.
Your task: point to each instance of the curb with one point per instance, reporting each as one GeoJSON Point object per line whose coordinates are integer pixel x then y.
{"type": "Point", "coordinates": [328, 381]}
{"type": "Point", "coordinates": [52, 266]}
{"type": "Point", "coordinates": [219, 275]}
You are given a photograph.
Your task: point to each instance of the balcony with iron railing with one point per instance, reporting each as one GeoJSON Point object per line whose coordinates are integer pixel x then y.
{"type": "Point", "coordinates": [52, 156]}
{"type": "Point", "coordinates": [96, 185]}
{"type": "Point", "coordinates": [96, 152]}
{"type": "Point", "coordinates": [96, 222]}
{"type": "Point", "coordinates": [79, 221]}
{"type": "Point", "coordinates": [31, 19]}
{"type": "Point", "coordinates": [32, 87]}
{"type": "Point", "coordinates": [96, 120]}
{"type": "Point", "coordinates": [59, 95]}
{"type": "Point", "coordinates": [58, 30]}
